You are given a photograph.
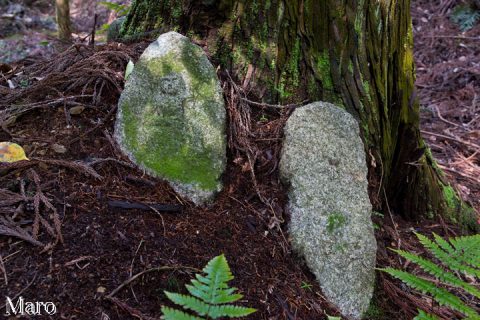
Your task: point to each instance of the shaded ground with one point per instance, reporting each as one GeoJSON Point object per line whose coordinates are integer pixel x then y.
{"type": "Point", "coordinates": [104, 246]}
{"type": "Point", "coordinates": [28, 28]}
{"type": "Point", "coordinates": [448, 85]}
{"type": "Point", "coordinates": [92, 247]}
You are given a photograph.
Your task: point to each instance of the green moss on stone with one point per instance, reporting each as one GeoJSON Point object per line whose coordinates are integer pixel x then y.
{"type": "Point", "coordinates": [334, 221]}
{"type": "Point", "coordinates": [167, 149]}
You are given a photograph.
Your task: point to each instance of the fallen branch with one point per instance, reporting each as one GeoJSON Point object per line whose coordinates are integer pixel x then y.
{"type": "Point", "coordinates": [78, 166]}
{"type": "Point", "coordinates": [276, 106]}
{"type": "Point", "coordinates": [467, 176]}
{"type": "Point", "coordinates": [123, 163]}
{"type": "Point", "coordinates": [470, 144]}
{"type": "Point", "coordinates": [9, 198]}
{"type": "Point", "coordinates": [41, 198]}
{"type": "Point", "coordinates": [75, 261]}
{"type": "Point", "coordinates": [21, 291]}
{"type": "Point", "coordinates": [454, 37]}
{"type": "Point", "coordinates": [101, 123]}
{"type": "Point", "coordinates": [138, 205]}
{"type": "Point", "coordinates": [4, 270]}
{"type": "Point", "coordinates": [136, 276]}
{"type": "Point", "coordinates": [10, 229]}
{"type": "Point", "coordinates": [132, 311]}
{"type": "Point", "coordinates": [9, 111]}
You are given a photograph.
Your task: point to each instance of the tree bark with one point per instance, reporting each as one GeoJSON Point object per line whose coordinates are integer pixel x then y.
{"type": "Point", "coordinates": [63, 19]}
{"type": "Point", "coordinates": [357, 54]}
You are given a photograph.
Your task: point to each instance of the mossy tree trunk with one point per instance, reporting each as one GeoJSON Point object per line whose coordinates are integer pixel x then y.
{"type": "Point", "coordinates": [354, 53]}
{"type": "Point", "coordinates": [62, 10]}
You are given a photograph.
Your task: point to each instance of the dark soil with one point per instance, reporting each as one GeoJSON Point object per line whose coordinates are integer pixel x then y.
{"type": "Point", "coordinates": [104, 246]}
{"type": "Point", "coordinates": [448, 85]}
{"type": "Point", "coordinates": [28, 28]}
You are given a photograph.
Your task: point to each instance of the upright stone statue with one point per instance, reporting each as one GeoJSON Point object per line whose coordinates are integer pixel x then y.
{"type": "Point", "coordinates": [171, 117]}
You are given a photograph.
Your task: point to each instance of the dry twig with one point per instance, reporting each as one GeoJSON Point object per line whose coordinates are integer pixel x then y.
{"type": "Point", "coordinates": [136, 276]}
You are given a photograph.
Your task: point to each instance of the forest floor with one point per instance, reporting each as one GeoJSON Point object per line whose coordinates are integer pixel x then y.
{"type": "Point", "coordinates": [87, 246]}
{"type": "Point", "coordinates": [448, 86]}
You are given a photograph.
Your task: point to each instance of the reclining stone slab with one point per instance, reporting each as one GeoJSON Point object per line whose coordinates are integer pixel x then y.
{"type": "Point", "coordinates": [323, 162]}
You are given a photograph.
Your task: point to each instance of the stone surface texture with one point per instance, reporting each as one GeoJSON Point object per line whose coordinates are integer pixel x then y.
{"type": "Point", "coordinates": [113, 31]}
{"type": "Point", "coordinates": [323, 162]}
{"type": "Point", "coordinates": [171, 118]}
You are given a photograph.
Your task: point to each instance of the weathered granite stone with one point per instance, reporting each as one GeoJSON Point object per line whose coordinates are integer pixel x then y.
{"type": "Point", "coordinates": [324, 164]}
{"type": "Point", "coordinates": [171, 119]}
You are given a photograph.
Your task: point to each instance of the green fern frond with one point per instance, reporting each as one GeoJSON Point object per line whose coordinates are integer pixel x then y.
{"type": "Point", "coordinates": [229, 310]}
{"type": "Point", "coordinates": [209, 294]}
{"type": "Point", "coordinates": [439, 273]}
{"type": "Point", "coordinates": [422, 315]}
{"type": "Point", "coordinates": [189, 302]}
{"type": "Point", "coordinates": [442, 296]}
{"type": "Point", "coordinates": [459, 254]}
{"type": "Point", "coordinates": [172, 314]}
{"type": "Point", "coordinates": [452, 261]}
{"type": "Point", "coordinates": [120, 9]}
{"type": "Point", "coordinates": [468, 249]}
{"type": "Point", "coordinates": [443, 243]}
{"type": "Point", "coordinates": [465, 17]}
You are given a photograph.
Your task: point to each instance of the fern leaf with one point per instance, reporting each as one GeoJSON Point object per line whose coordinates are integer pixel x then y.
{"type": "Point", "coordinates": [467, 249]}
{"type": "Point", "coordinates": [443, 243]}
{"type": "Point", "coordinates": [445, 258]}
{"type": "Point", "coordinates": [189, 302]}
{"type": "Point", "coordinates": [224, 296]}
{"type": "Point", "coordinates": [229, 310]}
{"type": "Point", "coordinates": [172, 314]}
{"type": "Point", "coordinates": [209, 294]}
{"type": "Point", "coordinates": [204, 281]}
{"type": "Point", "coordinates": [219, 273]}
{"type": "Point", "coordinates": [442, 296]}
{"type": "Point", "coordinates": [465, 17]}
{"type": "Point", "coordinates": [439, 273]}
{"type": "Point", "coordinates": [422, 315]}
{"type": "Point", "coordinates": [200, 288]}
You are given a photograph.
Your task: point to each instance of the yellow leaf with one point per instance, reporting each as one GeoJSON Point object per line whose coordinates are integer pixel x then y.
{"type": "Point", "coordinates": [11, 152]}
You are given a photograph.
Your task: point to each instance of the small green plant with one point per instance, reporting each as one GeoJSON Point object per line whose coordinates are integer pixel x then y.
{"type": "Point", "coordinates": [376, 226]}
{"type": "Point", "coordinates": [281, 89]}
{"type": "Point", "coordinates": [104, 28]}
{"type": "Point", "coordinates": [209, 296]}
{"type": "Point", "coordinates": [129, 69]}
{"type": "Point", "coordinates": [120, 9]}
{"type": "Point", "coordinates": [377, 214]}
{"type": "Point", "coordinates": [374, 311]}
{"type": "Point", "coordinates": [306, 286]}
{"type": "Point", "coordinates": [263, 118]}
{"type": "Point", "coordinates": [334, 221]}
{"type": "Point", "coordinates": [465, 16]}
{"type": "Point", "coordinates": [461, 255]}
{"type": "Point", "coordinates": [24, 83]}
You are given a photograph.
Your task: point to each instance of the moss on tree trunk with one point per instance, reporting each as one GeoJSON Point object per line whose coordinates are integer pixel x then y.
{"type": "Point", "coordinates": [355, 53]}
